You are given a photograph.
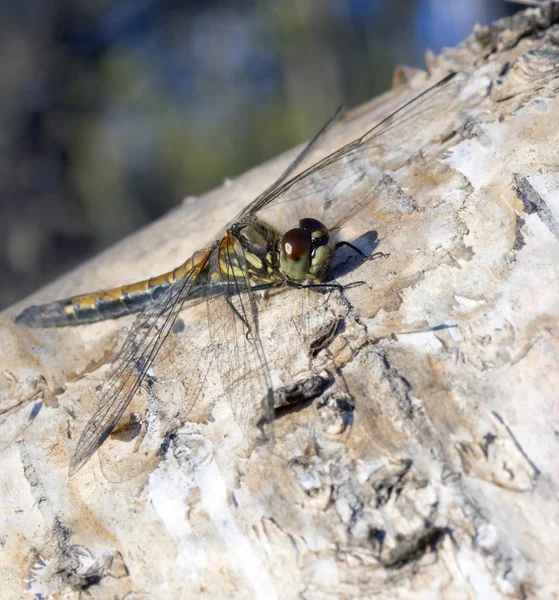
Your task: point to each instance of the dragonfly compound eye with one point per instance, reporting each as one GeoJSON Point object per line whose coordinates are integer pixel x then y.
{"type": "Point", "coordinates": [318, 231]}
{"type": "Point", "coordinates": [295, 253]}
{"type": "Point", "coordinates": [322, 246]}
{"type": "Point", "coordinates": [313, 225]}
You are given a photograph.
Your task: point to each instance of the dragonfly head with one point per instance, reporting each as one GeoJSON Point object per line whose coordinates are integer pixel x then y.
{"type": "Point", "coordinates": [306, 251]}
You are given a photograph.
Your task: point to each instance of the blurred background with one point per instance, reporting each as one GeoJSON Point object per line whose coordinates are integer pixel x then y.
{"type": "Point", "coordinates": [112, 111]}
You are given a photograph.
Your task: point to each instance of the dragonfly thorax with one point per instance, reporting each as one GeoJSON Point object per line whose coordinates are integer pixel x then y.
{"type": "Point", "coordinates": [306, 251]}
{"type": "Point", "coordinates": [259, 242]}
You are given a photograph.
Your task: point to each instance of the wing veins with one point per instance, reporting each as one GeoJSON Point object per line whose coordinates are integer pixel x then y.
{"type": "Point", "coordinates": [122, 362]}
{"type": "Point", "coordinates": [437, 95]}
{"type": "Point", "coordinates": [297, 161]}
{"type": "Point", "coordinates": [103, 421]}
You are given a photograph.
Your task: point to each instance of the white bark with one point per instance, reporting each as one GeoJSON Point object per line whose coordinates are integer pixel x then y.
{"type": "Point", "coordinates": [431, 471]}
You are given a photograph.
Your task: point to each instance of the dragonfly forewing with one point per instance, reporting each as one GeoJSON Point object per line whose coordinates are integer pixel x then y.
{"type": "Point", "coordinates": [337, 187]}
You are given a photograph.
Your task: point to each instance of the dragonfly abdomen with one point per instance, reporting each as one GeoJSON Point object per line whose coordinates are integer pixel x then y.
{"type": "Point", "coordinates": [107, 304]}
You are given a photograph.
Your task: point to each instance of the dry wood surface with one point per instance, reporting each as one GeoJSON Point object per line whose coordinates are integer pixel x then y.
{"type": "Point", "coordinates": [427, 468]}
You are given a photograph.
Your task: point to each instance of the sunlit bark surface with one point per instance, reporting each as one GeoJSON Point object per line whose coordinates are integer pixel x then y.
{"type": "Point", "coordinates": [428, 468]}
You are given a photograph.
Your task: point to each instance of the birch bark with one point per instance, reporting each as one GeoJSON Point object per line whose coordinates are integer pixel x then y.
{"type": "Point", "coordinates": [429, 469]}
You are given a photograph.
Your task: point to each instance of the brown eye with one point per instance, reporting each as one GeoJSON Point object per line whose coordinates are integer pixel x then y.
{"type": "Point", "coordinates": [296, 243]}
{"type": "Point", "coordinates": [318, 231]}
{"type": "Point", "coordinates": [313, 225]}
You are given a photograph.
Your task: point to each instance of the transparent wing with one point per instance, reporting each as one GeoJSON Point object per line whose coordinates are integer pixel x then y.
{"type": "Point", "coordinates": [259, 358]}
{"type": "Point", "coordinates": [234, 332]}
{"type": "Point", "coordinates": [341, 184]}
{"type": "Point", "coordinates": [133, 362]}
{"type": "Point", "coordinates": [298, 162]}
{"type": "Point", "coordinates": [169, 396]}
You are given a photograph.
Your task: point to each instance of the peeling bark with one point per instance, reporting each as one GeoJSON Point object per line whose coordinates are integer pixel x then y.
{"type": "Point", "coordinates": [421, 462]}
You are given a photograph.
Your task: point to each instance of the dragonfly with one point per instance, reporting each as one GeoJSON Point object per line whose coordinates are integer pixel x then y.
{"type": "Point", "coordinates": [285, 238]}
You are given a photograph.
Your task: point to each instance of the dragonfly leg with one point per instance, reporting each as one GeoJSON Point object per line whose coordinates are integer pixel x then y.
{"type": "Point", "coordinates": [234, 309]}
{"type": "Point", "coordinates": [323, 286]}
{"type": "Point", "coordinates": [264, 286]}
{"type": "Point", "coordinates": [354, 248]}
{"type": "Point", "coordinates": [326, 285]}
{"type": "Point", "coordinates": [360, 252]}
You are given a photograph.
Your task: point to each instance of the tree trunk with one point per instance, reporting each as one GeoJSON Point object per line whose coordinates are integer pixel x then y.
{"type": "Point", "coordinates": [429, 466]}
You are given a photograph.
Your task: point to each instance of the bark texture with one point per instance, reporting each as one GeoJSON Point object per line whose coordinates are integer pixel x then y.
{"type": "Point", "coordinates": [429, 468]}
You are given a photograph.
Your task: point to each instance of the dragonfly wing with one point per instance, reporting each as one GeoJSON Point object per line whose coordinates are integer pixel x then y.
{"type": "Point", "coordinates": [133, 361]}
{"type": "Point", "coordinates": [301, 159]}
{"type": "Point", "coordinates": [233, 320]}
{"type": "Point", "coordinates": [342, 183]}
{"type": "Point", "coordinates": [166, 399]}
{"type": "Point", "coordinates": [263, 343]}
